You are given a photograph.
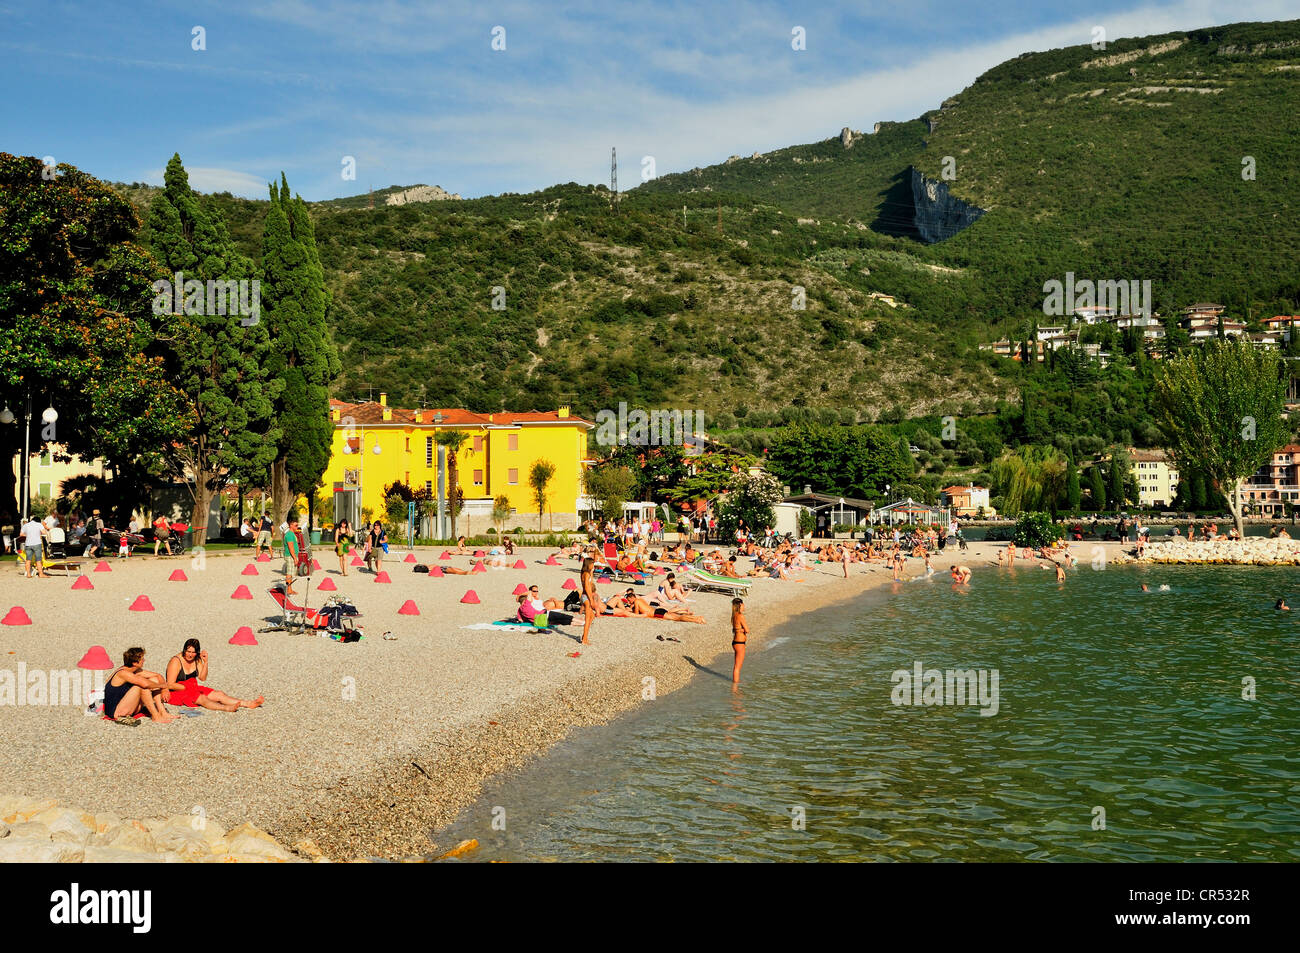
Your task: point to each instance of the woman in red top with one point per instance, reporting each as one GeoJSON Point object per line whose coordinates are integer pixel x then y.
{"type": "Point", "coordinates": [161, 530]}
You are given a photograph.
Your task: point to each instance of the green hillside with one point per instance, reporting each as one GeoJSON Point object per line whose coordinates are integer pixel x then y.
{"type": "Point", "coordinates": [1123, 164]}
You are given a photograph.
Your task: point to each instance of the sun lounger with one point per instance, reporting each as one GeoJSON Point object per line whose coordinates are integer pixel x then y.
{"type": "Point", "coordinates": [703, 581]}
{"type": "Point", "coordinates": [610, 564]}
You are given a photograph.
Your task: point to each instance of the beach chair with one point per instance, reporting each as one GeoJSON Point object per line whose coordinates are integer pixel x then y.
{"type": "Point", "coordinates": [610, 564]}
{"type": "Point", "coordinates": [704, 581]}
{"type": "Point", "coordinates": [336, 618]}
{"type": "Point", "coordinates": [55, 557]}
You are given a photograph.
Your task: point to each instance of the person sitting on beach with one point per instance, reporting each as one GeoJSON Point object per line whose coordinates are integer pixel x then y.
{"type": "Point", "coordinates": [508, 544]}
{"type": "Point", "coordinates": [728, 569]}
{"type": "Point", "coordinates": [188, 669]}
{"type": "Point", "coordinates": [460, 546]}
{"type": "Point", "coordinates": [671, 590]}
{"type": "Point", "coordinates": [131, 690]}
{"type": "Point", "coordinates": [1283, 534]}
{"type": "Point", "coordinates": [960, 574]}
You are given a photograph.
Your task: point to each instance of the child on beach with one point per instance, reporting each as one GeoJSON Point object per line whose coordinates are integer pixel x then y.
{"type": "Point", "coordinates": [739, 636]}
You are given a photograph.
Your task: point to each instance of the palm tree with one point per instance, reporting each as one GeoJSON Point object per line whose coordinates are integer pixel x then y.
{"type": "Point", "coordinates": [453, 440]}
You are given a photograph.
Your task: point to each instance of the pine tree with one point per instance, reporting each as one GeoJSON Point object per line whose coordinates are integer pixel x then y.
{"type": "Point", "coordinates": [1097, 488]}
{"type": "Point", "coordinates": [217, 360]}
{"type": "Point", "coordinates": [303, 357]}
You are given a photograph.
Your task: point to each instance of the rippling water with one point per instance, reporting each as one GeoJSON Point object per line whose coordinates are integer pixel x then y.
{"type": "Point", "coordinates": [1109, 698]}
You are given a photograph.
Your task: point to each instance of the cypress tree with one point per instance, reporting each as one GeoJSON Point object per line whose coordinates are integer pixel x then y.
{"type": "Point", "coordinates": [1097, 488]}
{"type": "Point", "coordinates": [216, 359]}
{"type": "Point", "coordinates": [303, 357]}
{"type": "Point", "coordinates": [1073, 493]}
{"type": "Point", "coordinates": [1119, 466]}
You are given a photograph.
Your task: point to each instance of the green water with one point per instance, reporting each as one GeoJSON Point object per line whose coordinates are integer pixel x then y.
{"type": "Point", "coordinates": [1109, 698]}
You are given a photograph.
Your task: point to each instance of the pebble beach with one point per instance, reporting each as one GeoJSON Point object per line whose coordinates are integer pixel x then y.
{"type": "Point", "coordinates": [362, 750]}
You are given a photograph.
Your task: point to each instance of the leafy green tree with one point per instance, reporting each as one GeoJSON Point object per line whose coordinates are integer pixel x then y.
{"type": "Point", "coordinates": [853, 461]}
{"type": "Point", "coordinates": [500, 512]}
{"type": "Point", "coordinates": [294, 306]}
{"type": "Point", "coordinates": [1036, 529]}
{"type": "Point", "coordinates": [1030, 478]}
{"type": "Point", "coordinates": [609, 487]}
{"type": "Point", "coordinates": [749, 497]}
{"type": "Point", "coordinates": [1220, 408]}
{"type": "Point", "coordinates": [77, 326]}
{"type": "Point", "coordinates": [217, 360]}
{"type": "Point", "coordinates": [540, 475]}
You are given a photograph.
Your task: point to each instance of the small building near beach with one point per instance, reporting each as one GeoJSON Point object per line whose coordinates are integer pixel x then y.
{"type": "Point", "coordinates": [1157, 479]}
{"type": "Point", "coordinates": [970, 501]}
{"type": "Point", "coordinates": [832, 510]}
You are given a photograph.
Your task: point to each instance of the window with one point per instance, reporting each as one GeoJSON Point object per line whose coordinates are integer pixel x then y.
{"type": "Point", "coordinates": [43, 491]}
{"type": "Point", "coordinates": [428, 451]}
{"type": "Point", "coordinates": [478, 477]}
{"type": "Point", "coordinates": [512, 442]}
{"type": "Point", "coordinates": [478, 444]}
{"type": "Point", "coordinates": [512, 476]}
{"type": "Point", "coordinates": [428, 486]}
{"type": "Point", "coordinates": [408, 444]}
{"type": "Point", "coordinates": [46, 460]}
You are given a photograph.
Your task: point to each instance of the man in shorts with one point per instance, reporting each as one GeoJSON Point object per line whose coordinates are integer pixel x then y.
{"type": "Point", "coordinates": [263, 536]}
{"type": "Point", "coordinates": [33, 533]}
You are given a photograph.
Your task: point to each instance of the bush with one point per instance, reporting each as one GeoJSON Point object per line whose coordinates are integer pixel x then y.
{"type": "Point", "coordinates": [1036, 529]}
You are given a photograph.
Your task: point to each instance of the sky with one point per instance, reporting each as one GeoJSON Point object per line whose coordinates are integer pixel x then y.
{"type": "Point", "coordinates": [416, 93]}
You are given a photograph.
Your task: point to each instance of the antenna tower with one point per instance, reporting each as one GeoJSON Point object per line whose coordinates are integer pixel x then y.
{"type": "Point", "coordinates": [613, 173]}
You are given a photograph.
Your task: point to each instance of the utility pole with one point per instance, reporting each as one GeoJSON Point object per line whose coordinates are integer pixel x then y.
{"type": "Point", "coordinates": [613, 174]}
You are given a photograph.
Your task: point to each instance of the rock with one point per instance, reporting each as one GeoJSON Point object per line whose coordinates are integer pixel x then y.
{"type": "Point", "coordinates": [28, 850]}
{"type": "Point", "coordinates": [938, 214]}
{"type": "Point", "coordinates": [246, 844]}
{"type": "Point", "coordinates": [106, 822]}
{"type": "Point", "coordinates": [64, 820]}
{"type": "Point", "coordinates": [464, 847]}
{"type": "Point", "coordinates": [185, 841]}
{"type": "Point", "coordinates": [23, 809]}
{"type": "Point", "coordinates": [118, 855]}
{"type": "Point", "coordinates": [308, 848]}
{"type": "Point", "coordinates": [127, 837]}
{"type": "Point", "coordinates": [30, 829]}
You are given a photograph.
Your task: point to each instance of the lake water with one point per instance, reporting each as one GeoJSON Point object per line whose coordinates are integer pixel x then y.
{"type": "Point", "coordinates": [1114, 706]}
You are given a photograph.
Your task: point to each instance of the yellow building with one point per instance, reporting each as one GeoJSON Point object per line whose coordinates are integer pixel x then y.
{"type": "Point", "coordinates": [1157, 480]}
{"type": "Point", "coordinates": [376, 445]}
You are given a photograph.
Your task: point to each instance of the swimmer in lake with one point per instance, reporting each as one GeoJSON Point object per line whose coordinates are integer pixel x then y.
{"type": "Point", "coordinates": [1281, 604]}
{"type": "Point", "coordinates": [960, 574]}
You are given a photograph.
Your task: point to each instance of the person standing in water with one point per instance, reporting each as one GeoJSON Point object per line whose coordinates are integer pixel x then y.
{"type": "Point", "coordinates": [739, 636]}
{"type": "Point", "coordinates": [590, 601]}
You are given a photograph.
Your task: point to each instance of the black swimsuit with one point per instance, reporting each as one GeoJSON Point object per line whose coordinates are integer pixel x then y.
{"type": "Point", "coordinates": [113, 695]}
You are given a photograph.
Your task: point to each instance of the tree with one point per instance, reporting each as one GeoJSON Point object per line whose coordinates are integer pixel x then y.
{"type": "Point", "coordinates": [452, 441]}
{"type": "Point", "coordinates": [609, 487]}
{"type": "Point", "coordinates": [853, 461]}
{"type": "Point", "coordinates": [1220, 408]}
{"type": "Point", "coordinates": [1096, 489]}
{"type": "Point", "coordinates": [302, 356]}
{"type": "Point", "coordinates": [77, 326]}
{"type": "Point", "coordinates": [500, 512]}
{"type": "Point", "coordinates": [1073, 492]}
{"type": "Point", "coordinates": [1118, 473]}
{"type": "Point", "coordinates": [1030, 478]}
{"type": "Point", "coordinates": [217, 362]}
{"type": "Point", "coordinates": [749, 497]}
{"type": "Point", "coordinates": [540, 475]}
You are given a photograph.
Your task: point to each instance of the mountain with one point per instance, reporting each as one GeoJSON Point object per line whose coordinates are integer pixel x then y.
{"type": "Point", "coordinates": [1168, 159]}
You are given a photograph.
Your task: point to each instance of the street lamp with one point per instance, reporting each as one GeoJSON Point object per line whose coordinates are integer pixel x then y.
{"type": "Point", "coordinates": [7, 416]}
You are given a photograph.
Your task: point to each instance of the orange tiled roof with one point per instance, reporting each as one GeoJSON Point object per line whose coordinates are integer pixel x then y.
{"type": "Point", "coordinates": [371, 413]}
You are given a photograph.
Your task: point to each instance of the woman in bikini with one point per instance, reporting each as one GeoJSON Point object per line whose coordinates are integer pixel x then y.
{"type": "Point", "coordinates": [342, 536]}
{"type": "Point", "coordinates": [739, 636]}
{"type": "Point", "coordinates": [590, 600]}
{"type": "Point", "coordinates": [187, 670]}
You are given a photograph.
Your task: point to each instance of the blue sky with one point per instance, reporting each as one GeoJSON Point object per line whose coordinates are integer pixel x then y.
{"type": "Point", "coordinates": [415, 92]}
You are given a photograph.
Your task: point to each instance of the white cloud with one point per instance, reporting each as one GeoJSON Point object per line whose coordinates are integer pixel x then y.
{"type": "Point", "coordinates": [219, 180]}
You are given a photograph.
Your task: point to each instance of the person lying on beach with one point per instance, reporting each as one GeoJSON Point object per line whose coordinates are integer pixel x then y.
{"type": "Point", "coordinates": [188, 669]}
{"type": "Point", "coordinates": [960, 574]}
{"type": "Point", "coordinates": [540, 604]}
{"type": "Point", "coordinates": [131, 690]}
{"type": "Point", "coordinates": [636, 606]}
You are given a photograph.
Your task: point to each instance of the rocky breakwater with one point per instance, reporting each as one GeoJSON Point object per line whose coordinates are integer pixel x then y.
{"type": "Point", "coordinates": [43, 831]}
{"type": "Point", "coordinates": [1239, 552]}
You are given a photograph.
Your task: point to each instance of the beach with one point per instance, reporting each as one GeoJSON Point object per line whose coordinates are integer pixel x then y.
{"type": "Point", "coordinates": [368, 748]}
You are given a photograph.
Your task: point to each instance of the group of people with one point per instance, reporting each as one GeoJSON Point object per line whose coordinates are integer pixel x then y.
{"type": "Point", "coordinates": [132, 691]}
{"type": "Point", "coordinates": [62, 535]}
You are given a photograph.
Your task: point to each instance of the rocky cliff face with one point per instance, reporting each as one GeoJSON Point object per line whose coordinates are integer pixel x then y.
{"type": "Point", "coordinates": [937, 213]}
{"type": "Point", "coordinates": [420, 193]}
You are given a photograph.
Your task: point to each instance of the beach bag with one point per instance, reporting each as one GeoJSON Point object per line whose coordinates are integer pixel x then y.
{"type": "Point", "coordinates": [573, 601]}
